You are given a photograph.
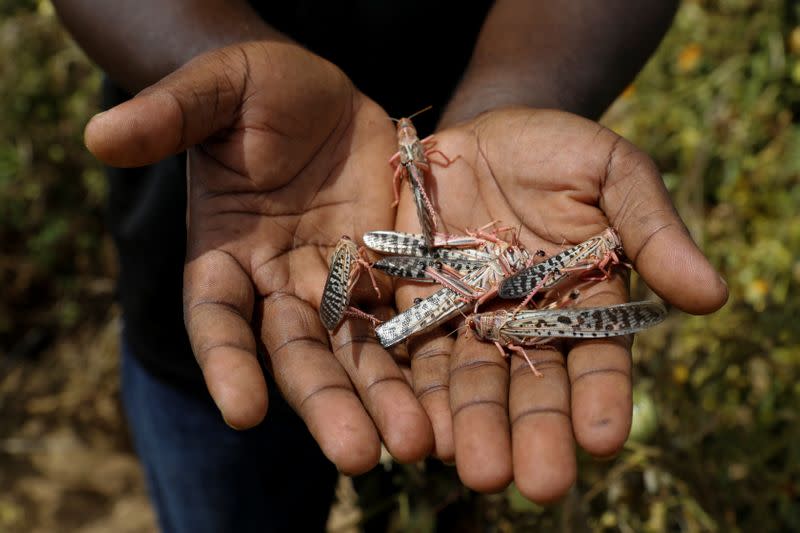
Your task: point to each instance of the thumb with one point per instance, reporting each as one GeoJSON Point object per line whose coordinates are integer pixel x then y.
{"type": "Point", "coordinates": [654, 237]}
{"type": "Point", "coordinates": [181, 110]}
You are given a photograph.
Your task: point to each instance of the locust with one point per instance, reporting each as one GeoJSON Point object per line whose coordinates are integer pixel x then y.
{"type": "Point", "coordinates": [514, 330]}
{"type": "Point", "coordinates": [413, 258]}
{"type": "Point", "coordinates": [411, 161]}
{"type": "Point", "coordinates": [459, 291]}
{"type": "Point", "coordinates": [600, 252]}
{"type": "Point", "coordinates": [346, 264]}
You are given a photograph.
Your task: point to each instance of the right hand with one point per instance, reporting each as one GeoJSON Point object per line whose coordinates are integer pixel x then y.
{"type": "Point", "coordinates": [284, 157]}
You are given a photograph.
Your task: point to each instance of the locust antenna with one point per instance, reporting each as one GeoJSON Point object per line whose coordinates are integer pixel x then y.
{"type": "Point", "coordinates": [518, 236]}
{"type": "Point", "coordinates": [420, 111]}
{"type": "Point", "coordinates": [463, 326]}
{"type": "Point", "coordinates": [458, 329]}
{"type": "Point", "coordinates": [395, 120]}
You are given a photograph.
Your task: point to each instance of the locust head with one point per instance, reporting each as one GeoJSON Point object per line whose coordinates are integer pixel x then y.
{"type": "Point", "coordinates": [406, 132]}
{"type": "Point", "coordinates": [612, 239]}
{"type": "Point", "coordinates": [405, 125]}
{"type": "Point", "coordinates": [472, 324]}
{"type": "Point", "coordinates": [485, 325]}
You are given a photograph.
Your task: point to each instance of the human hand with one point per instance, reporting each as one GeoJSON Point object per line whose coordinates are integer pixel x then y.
{"type": "Point", "coordinates": [284, 157]}
{"type": "Point", "coordinates": [561, 179]}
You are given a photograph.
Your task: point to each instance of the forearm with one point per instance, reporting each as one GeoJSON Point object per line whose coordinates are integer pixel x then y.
{"type": "Point", "coordinates": [574, 55]}
{"type": "Point", "coordinates": [138, 43]}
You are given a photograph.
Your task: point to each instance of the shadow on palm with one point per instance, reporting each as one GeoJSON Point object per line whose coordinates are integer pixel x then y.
{"type": "Point", "coordinates": [292, 173]}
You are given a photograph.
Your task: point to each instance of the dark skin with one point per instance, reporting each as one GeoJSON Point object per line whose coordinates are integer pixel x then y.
{"type": "Point", "coordinates": [269, 196]}
{"type": "Point", "coordinates": [580, 179]}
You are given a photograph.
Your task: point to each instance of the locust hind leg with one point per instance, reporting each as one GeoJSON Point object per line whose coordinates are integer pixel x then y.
{"type": "Point", "coordinates": [429, 144]}
{"type": "Point", "coordinates": [397, 178]}
{"type": "Point", "coordinates": [450, 278]}
{"type": "Point", "coordinates": [362, 263]}
{"type": "Point", "coordinates": [494, 234]}
{"type": "Point", "coordinates": [358, 313]}
{"type": "Point", "coordinates": [534, 292]}
{"type": "Point", "coordinates": [521, 350]}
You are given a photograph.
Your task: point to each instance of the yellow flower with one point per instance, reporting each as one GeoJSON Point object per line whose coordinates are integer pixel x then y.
{"type": "Point", "coordinates": [689, 57]}
{"type": "Point", "coordinates": [759, 287]}
{"type": "Point", "coordinates": [680, 373]}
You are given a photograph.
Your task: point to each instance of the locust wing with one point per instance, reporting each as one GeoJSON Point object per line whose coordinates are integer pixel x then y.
{"type": "Point", "coordinates": [336, 293]}
{"type": "Point", "coordinates": [588, 322]}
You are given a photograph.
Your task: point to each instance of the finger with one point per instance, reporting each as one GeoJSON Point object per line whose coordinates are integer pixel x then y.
{"type": "Point", "coordinates": [430, 368]}
{"type": "Point", "coordinates": [600, 376]}
{"type": "Point", "coordinates": [180, 111]}
{"type": "Point", "coordinates": [638, 205]}
{"type": "Point", "coordinates": [479, 401]}
{"type": "Point", "coordinates": [211, 93]}
{"type": "Point", "coordinates": [541, 426]}
{"type": "Point", "coordinates": [430, 351]}
{"type": "Point", "coordinates": [384, 391]}
{"type": "Point", "coordinates": [218, 306]}
{"type": "Point", "coordinates": [316, 386]}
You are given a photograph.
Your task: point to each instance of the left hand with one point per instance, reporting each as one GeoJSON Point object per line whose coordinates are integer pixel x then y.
{"type": "Point", "coordinates": [560, 179]}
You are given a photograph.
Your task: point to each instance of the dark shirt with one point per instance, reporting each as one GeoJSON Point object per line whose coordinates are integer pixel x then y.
{"type": "Point", "coordinates": [404, 55]}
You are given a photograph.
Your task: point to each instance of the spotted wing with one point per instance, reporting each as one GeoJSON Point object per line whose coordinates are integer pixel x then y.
{"type": "Point", "coordinates": [588, 322]}
{"type": "Point", "coordinates": [396, 243]}
{"type": "Point", "coordinates": [436, 309]}
{"type": "Point", "coordinates": [416, 267]}
{"type": "Point", "coordinates": [548, 273]}
{"type": "Point", "coordinates": [336, 293]}
{"type": "Point", "coordinates": [413, 244]}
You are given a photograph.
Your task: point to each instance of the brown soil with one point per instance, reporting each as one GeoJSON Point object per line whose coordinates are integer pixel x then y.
{"type": "Point", "coordinates": [66, 462]}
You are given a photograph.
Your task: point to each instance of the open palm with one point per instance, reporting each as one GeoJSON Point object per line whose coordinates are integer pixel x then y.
{"type": "Point", "coordinates": [284, 157]}
{"type": "Point", "coordinates": [560, 179]}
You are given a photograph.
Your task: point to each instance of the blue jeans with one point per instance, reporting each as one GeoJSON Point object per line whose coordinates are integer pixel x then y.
{"type": "Point", "coordinates": [206, 477]}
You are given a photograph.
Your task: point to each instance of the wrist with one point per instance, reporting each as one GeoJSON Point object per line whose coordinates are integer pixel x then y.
{"type": "Point", "coordinates": [572, 55]}
{"type": "Point", "coordinates": [139, 43]}
{"type": "Point", "coordinates": [479, 93]}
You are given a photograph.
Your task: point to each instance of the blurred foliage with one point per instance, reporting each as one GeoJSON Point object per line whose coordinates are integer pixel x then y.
{"type": "Point", "coordinates": [713, 445]}
{"type": "Point", "coordinates": [719, 110]}
{"type": "Point", "coordinates": [52, 257]}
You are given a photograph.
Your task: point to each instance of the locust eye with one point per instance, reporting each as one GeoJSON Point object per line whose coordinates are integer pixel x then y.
{"type": "Point", "coordinates": [406, 124]}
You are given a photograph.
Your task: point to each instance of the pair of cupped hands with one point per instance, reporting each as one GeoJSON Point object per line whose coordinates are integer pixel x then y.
{"type": "Point", "coordinates": [285, 156]}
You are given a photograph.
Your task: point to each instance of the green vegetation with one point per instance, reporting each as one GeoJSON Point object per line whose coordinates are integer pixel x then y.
{"type": "Point", "coordinates": [51, 190]}
{"type": "Point", "coordinates": [714, 443]}
{"type": "Point", "coordinates": [718, 110]}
